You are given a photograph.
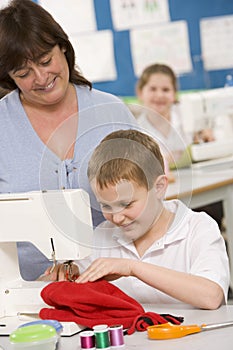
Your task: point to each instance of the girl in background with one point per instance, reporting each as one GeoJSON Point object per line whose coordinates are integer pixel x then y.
{"type": "Point", "coordinates": [157, 91]}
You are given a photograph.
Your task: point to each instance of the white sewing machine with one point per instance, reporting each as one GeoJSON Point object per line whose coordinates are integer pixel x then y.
{"type": "Point", "coordinates": [209, 109]}
{"type": "Point", "coordinates": [62, 217]}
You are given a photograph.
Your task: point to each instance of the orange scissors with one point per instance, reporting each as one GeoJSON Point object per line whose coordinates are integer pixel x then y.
{"type": "Point", "coordinates": [169, 330]}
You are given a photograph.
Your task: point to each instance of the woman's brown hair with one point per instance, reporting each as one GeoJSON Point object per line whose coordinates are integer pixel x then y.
{"type": "Point", "coordinates": [27, 31]}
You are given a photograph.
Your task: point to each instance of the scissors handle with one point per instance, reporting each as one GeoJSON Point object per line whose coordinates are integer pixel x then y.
{"type": "Point", "coordinates": [169, 331]}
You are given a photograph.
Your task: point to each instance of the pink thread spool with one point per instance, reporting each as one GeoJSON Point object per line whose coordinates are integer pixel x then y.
{"type": "Point", "coordinates": [87, 340]}
{"type": "Point", "coordinates": [116, 335]}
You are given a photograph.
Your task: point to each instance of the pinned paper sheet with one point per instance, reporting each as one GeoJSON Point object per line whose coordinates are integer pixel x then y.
{"type": "Point", "coordinates": [74, 16]}
{"type": "Point", "coordinates": [128, 14]}
{"type": "Point", "coordinates": [216, 42]}
{"type": "Point", "coordinates": [95, 55]}
{"type": "Point", "coordinates": [165, 43]}
{"type": "Point", "coordinates": [3, 3]}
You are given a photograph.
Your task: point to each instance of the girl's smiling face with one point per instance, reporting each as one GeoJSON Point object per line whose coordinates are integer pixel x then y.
{"type": "Point", "coordinates": [131, 207]}
{"type": "Point", "coordinates": [158, 93]}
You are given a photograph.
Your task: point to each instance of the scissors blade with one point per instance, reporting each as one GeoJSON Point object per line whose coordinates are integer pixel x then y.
{"type": "Point", "coordinates": [207, 327]}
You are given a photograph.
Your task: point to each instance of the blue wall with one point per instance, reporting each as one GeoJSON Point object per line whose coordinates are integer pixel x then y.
{"type": "Point", "coordinates": [191, 11]}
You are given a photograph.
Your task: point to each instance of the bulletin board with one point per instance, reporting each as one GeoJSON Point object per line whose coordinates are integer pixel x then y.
{"type": "Point", "coordinates": [190, 18]}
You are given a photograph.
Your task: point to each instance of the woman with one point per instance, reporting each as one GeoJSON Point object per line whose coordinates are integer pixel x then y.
{"type": "Point", "coordinates": [53, 119]}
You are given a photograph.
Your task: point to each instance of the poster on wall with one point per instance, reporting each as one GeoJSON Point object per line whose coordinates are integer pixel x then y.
{"type": "Point", "coordinates": [77, 18]}
{"type": "Point", "coordinates": [165, 43]}
{"type": "Point", "coordinates": [74, 16]}
{"type": "Point", "coordinates": [127, 14]}
{"type": "Point", "coordinates": [95, 55]}
{"type": "Point", "coordinates": [3, 3]}
{"type": "Point", "coordinates": [216, 42]}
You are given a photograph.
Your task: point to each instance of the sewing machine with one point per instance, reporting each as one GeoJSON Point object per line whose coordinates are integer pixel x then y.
{"type": "Point", "coordinates": [209, 109]}
{"type": "Point", "coordinates": [57, 222]}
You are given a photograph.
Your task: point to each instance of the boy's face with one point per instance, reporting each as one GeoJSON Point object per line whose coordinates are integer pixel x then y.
{"type": "Point", "coordinates": [131, 207]}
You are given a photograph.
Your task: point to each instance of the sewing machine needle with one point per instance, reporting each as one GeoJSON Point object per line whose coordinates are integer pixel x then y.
{"type": "Point", "coordinates": [53, 256]}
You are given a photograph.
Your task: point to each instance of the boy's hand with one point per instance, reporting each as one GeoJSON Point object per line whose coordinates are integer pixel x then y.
{"type": "Point", "coordinates": [107, 268]}
{"type": "Point", "coordinates": [59, 273]}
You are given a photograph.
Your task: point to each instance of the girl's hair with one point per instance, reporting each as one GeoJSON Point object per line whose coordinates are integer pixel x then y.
{"type": "Point", "coordinates": [153, 69]}
{"type": "Point", "coordinates": [126, 155]}
{"type": "Point", "coordinates": [27, 31]}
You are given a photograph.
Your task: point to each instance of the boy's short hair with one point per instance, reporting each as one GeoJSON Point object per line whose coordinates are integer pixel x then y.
{"type": "Point", "coordinates": [126, 155]}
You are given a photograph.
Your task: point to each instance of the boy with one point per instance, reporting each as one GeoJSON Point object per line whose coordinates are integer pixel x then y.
{"type": "Point", "coordinates": [156, 251]}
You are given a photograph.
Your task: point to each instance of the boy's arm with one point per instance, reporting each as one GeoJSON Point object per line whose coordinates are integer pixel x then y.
{"type": "Point", "coordinates": [191, 289]}
{"type": "Point", "coordinates": [194, 290]}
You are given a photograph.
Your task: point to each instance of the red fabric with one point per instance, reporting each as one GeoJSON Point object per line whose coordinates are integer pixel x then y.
{"type": "Point", "coordinates": [93, 303]}
{"type": "Point", "coordinates": [146, 319]}
{"type": "Point", "coordinates": [89, 303]}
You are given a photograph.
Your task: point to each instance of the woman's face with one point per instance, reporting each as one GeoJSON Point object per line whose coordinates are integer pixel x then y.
{"type": "Point", "coordinates": [44, 82]}
{"type": "Point", "coordinates": [158, 93]}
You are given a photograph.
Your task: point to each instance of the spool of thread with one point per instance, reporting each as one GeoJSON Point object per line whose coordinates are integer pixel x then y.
{"type": "Point", "coordinates": [87, 340]}
{"type": "Point", "coordinates": [101, 336]}
{"type": "Point", "coordinates": [116, 335]}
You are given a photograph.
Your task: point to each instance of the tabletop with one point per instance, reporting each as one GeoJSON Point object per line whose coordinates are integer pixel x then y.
{"type": "Point", "coordinates": [216, 339]}
{"type": "Point", "coordinates": [191, 182]}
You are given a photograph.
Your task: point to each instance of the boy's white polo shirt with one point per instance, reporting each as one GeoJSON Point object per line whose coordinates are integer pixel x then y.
{"type": "Point", "coordinates": [193, 244]}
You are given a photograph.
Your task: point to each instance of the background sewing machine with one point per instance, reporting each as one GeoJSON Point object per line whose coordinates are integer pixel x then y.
{"type": "Point", "coordinates": [63, 217]}
{"type": "Point", "coordinates": [210, 109]}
